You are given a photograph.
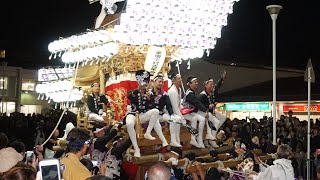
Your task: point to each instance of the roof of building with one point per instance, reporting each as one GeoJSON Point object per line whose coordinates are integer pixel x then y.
{"type": "Point", "coordinates": [288, 89]}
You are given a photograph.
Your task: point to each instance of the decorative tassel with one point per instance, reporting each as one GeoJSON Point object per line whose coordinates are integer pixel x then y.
{"type": "Point", "coordinates": [42, 97]}
{"type": "Point", "coordinates": [91, 63]}
{"type": "Point", "coordinates": [74, 65]}
{"type": "Point", "coordinates": [47, 98]}
{"type": "Point", "coordinates": [49, 101]}
{"type": "Point", "coordinates": [50, 57]}
{"type": "Point", "coordinates": [188, 64]}
{"type": "Point", "coordinates": [97, 61]}
{"type": "Point", "coordinates": [208, 52]}
{"type": "Point", "coordinates": [177, 63]}
{"type": "Point", "coordinates": [104, 59]}
{"type": "Point", "coordinates": [127, 50]}
{"type": "Point", "coordinates": [60, 53]}
{"type": "Point", "coordinates": [55, 56]}
{"type": "Point", "coordinates": [39, 96]}
{"type": "Point", "coordinates": [55, 106]}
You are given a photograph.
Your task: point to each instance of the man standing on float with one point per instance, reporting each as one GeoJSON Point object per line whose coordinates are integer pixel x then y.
{"type": "Point", "coordinates": [162, 102]}
{"type": "Point", "coordinates": [95, 103]}
{"type": "Point", "coordinates": [208, 98]}
{"type": "Point", "coordinates": [190, 101]}
{"type": "Point", "coordinates": [140, 101]}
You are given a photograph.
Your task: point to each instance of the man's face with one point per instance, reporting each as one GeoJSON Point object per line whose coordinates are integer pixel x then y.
{"type": "Point", "coordinates": [209, 86]}
{"type": "Point", "coordinates": [177, 81]}
{"type": "Point", "coordinates": [144, 85]}
{"type": "Point", "coordinates": [56, 133]}
{"type": "Point", "coordinates": [194, 85]}
{"type": "Point", "coordinates": [100, 133]}
{"type": "Point", "coordinates": [96, 88]}
{"type": "Point", "coordinates": [158, 84]}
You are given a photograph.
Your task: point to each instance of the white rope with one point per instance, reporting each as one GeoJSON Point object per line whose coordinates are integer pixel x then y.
{"type": "Point", "coordinates": [65, 109]}
{"type": "Point", "coordinates": [220, 165]}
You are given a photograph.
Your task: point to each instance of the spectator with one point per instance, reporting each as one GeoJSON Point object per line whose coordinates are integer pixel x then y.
{"type": "Point", "coordinates": [77, 146]}
{"type": "Point", "coordinates": [3, 140]}
{"type": "Point", "coordinates": [318, 172]}
{"type": "Point", "coordinates": [9, 157]}
{"type": "Point", "coordinates": [48, 152]}
{"type": "Point", "coordinates": [282, 168]}
{"type": "Point", "coordinates": [21, 172]}
{"type": "Point", "coordinates": [159, 171]}
{"type": "Point", "coordinates": [19, 147]}
{"type": "Point", "coordinates": [87, 163]}
{"type": "Point", "coordinates": [99, 177]}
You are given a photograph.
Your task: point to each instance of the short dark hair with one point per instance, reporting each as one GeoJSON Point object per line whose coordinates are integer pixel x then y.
{"type": "Point", "coordinates": [159, 170]}
{"type": "Point", "coordinates": [3, 140]}
{"type": "Point", "coordinates": [99, 177]}
{"type": "Point", "coordinates": [76, 138]}
{"type": "Point", "coordinates": [212, 173]}
{"type": "Point", "coordinates": [87, 163]}
{"type": "Point", "coordinates": [18, 146]}
{"type": "Point", "coordinates": [21, 172]}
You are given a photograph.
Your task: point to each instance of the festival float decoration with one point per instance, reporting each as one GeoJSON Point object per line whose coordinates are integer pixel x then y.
{"type": "Point", "coordinates": [145, 34]}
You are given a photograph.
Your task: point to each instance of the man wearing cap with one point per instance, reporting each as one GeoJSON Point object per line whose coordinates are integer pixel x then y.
{"type": "Point", "coordinates": [162, 102]}
{"type": "Point", "coordinates": [208, 98]}
{"type": "Point", "coordinates": [191, 101]}
{"type": "Point", "coordinates": [95, 103]}
{"type": "Point", "coordinates": [141, 102]}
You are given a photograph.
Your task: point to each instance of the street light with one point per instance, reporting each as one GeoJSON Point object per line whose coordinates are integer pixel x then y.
{"type": "Point", "coordinates": [274, 11]}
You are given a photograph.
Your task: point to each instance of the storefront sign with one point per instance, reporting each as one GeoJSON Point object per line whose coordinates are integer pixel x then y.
{"type": "Point", "coordinates": [248, 107]}
{"type": "Point", "coordinates": [301, 108]}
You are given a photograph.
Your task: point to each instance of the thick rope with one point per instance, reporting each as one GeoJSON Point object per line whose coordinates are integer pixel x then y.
{"type": "Point", "coordinates": [65, 109]}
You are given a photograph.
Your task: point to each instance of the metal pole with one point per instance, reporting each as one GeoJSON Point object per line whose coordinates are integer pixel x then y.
{"type": "Point", "coordinates": [308, 136]}
{"type": "Point", "coordinates": [274, 76]}
{"type": "Point", "coordinates": [2, 105]}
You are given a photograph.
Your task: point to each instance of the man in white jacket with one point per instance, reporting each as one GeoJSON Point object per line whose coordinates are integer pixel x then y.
{"type": "Point", "coordinates": [174, 94]}
{"type": "Point", "coordinates": [282, 168]}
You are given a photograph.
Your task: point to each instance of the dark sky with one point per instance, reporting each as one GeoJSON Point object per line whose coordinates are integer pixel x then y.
{"type": "Point", "coordinates": [28, 27]}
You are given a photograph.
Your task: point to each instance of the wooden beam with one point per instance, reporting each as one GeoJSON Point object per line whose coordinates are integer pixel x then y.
{"type": "Point", "coordinates": [229, 163]}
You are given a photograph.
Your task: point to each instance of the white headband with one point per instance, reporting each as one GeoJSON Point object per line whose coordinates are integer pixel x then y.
{"type": "Point", "coordinates": [193, 79]}
{"type": "Point", "coordinates": [98, 130]}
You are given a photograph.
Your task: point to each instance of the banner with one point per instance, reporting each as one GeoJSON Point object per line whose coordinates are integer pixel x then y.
{"type": "Point", "coordinates": [118, 92]}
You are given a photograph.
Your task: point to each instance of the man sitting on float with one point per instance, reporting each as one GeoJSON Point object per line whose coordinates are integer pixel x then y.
{"type": "Point", "coordinates": [208, 98]}
{"type": "Point", "coordinates": [95, 103]}
{"type": "Point", "coordinates": [162, 102]}
{"type": "Point", "coordinates": [191, 105]}
{"type": "Point", "coordinates": [140, 102]}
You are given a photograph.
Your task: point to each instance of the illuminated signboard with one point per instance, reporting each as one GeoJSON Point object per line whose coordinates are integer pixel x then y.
{"type": "Point", "coordinates": [248, 107]}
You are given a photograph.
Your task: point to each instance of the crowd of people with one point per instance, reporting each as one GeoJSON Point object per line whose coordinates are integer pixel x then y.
{"type": "Point", "coordinates": [100, 154]}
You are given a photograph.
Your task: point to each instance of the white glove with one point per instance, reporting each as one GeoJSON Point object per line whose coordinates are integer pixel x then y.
{"type": "Point", "coordinates": [173, 161]}
{"type": "Point", "coordinates": [129, 108]}
{"type": "Point", "coordinates": [100, 111]}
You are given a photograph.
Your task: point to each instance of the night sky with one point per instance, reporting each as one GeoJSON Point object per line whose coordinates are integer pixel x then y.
{"type": "Point", "coordinates": [29, 26]}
